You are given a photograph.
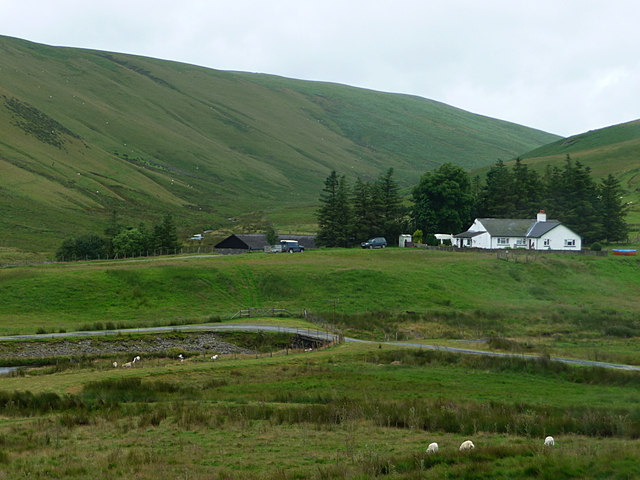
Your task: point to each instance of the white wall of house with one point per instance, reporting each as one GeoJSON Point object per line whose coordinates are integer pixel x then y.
{"type": "Point", "coordinates": [560, 238]}
{"type": "Point", "coordinates": [508, 242]}
{"type": "Point", "coordinates": [481, 241]}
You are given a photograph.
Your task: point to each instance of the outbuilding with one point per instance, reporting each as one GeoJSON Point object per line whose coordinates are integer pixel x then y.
{"type": "Point", "coordinates": [257, 241]}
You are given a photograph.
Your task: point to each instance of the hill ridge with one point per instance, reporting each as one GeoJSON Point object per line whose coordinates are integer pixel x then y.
{"type": "Point", "coordinates": [148, 136]}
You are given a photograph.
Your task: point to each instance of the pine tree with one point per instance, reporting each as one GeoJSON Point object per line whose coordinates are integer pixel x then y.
{"type": "Point", "coordinates": [581, 210]}
{"type": "Point", "coordinates": [344, 216]}
{"type": "Point", "coordinates": [365, 211]}
{"type": "Point", "coordinates": [391, 210]}
{"type": "Point", "coordinates": [613, 210]}
{"type": "Point", "coordinates": [527, 191]}
{"type": "Point", "coordinates": [327, 214]}
{"type": "Point", "coordinates": [165, 236]}
{"type": "Point", "coordinates": [498, 195]}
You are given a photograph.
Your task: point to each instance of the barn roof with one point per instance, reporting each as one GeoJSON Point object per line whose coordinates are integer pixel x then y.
{"type": "Point", "coordinates": [257, 241]}
{"type": "Point", "coordinates": [244, 241]}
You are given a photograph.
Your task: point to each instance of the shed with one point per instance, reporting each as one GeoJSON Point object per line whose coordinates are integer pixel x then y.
{"type": "Point", "coordinates": [404, 240]}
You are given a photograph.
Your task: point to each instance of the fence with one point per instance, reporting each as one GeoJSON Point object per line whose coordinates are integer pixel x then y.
{"type": "Point", "coordinates": [262, 312]}
{"type": "Point", "coordinates": [503, 252]}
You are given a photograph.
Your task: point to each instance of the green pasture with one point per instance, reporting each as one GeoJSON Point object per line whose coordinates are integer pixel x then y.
{"type": "Point", "coordinates": [348, 411]}
{"type": "Point", "coordinates": [560, 304]}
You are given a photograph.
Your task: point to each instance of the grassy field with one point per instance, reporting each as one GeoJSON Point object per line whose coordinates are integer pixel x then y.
{"type": "Point", "coordinates": [555, 304]}
{"type": "Point", "coordinates": [346, 411]}
{"type": "Point", "coordinates": [350, 411]}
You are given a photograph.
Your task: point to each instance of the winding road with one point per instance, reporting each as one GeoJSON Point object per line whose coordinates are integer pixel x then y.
{"type": "Point", "coordinates": [314, 334]}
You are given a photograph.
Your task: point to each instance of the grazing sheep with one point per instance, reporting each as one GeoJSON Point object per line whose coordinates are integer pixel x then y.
{"type": "Point", "coordinates": [467, 445]}
{"type": "Point", "coordinates": [214, 358]}
{"type": "Point", "coordinates": [127, 365]}
{"type": "Point", "coordinates": [115, 364]}
{"type": "Point", "coordinates": [137, 359]}
{"type": "Point", "coordinates": [549, 442]}
{"type": "Point", "coordinates": [181, 357]}
{"type": "Point", "coordinates": [432, 448]}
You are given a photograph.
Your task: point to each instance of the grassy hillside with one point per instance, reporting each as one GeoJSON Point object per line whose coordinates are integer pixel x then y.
{"type": "Point", "coordinates": [557, 301]}
{"type": "Point", "coordinates": [85, 132]}
{"type": "Point", "coordinates": [614, 150]}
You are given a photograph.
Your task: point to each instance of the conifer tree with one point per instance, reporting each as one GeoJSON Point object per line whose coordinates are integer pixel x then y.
{"type": "Point", "coordinates": [498, 197]}
{"type": "Point", "coordinates": [365, 203]}
{"type": "Point", "coordinates": [390, 205]}
{"type": "Point", "coordinates": [527, 191]}
{"type": "Point", "coordinates": [612, 210]}
{"type": "Point", "coordinates": [329, 214]}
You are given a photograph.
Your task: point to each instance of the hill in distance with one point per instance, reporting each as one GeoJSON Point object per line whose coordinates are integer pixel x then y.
{"type": "Point", "coordinates": [84, 133]}
{"type": "Point", "coordinates": [612, 150]}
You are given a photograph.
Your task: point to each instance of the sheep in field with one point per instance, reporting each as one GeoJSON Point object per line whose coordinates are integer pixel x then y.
{"type": "Point", "coordinates": [549, 442]}
{"type": "Point", "coordinates": [181, 357]}
{"type": "Point", "coordinates": [432, 448]}
{"type": "Point", "coordinates": [214, 358]}
{"type": "Point", "coordinates": [467, 445]}
{"type": "Point", "coordinates": [115, 364]}
{"type": "Point", "coordinates": [127, 365]}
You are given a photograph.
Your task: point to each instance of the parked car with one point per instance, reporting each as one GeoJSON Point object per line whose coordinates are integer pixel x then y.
{"type": "Point", "coordinates": [378, 242]}
{"type": "Point", "coordinates": [291, 246]}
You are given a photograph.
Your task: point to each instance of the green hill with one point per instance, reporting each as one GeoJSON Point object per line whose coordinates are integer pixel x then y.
{"type": "Point", "coordinates": [85, 132]}
{"type": "Point", "coordinates": [614, 150]}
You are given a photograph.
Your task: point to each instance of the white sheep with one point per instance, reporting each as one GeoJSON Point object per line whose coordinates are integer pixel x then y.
{"type": "Point", "coordinates": [549, 442]}
{"type": "Point", "coordinates": [467, 445]}
{"type": "Point", "coordinates": [115, 364]}
{"type": "Point", "coordinates": [214, 357]}
{"type": "Point", "coordinates": [137, 359]}
{"type": "Point", "coordinates": [181, 357]}
{"type": "Point", "coordinates": [432, 448]}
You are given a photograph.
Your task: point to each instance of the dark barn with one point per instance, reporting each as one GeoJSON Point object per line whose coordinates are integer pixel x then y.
{"type": "Point", "coordinates": [257, 241]}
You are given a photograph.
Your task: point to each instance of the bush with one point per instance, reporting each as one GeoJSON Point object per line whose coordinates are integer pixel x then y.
{"type": "Point", "coordinates": [430, 239]}
{"type": "Point", "coordinates": [596, 247]}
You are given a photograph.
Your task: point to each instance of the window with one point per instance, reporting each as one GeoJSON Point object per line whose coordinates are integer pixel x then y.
{"type": "Point", "coordinates": [547, 242]}
{"type": "Point", "coordinates": [569, 242]}
{"type": "Point", "coordinates": [521, 242]}
{"type": "Point", "coordinates": [503, 241]}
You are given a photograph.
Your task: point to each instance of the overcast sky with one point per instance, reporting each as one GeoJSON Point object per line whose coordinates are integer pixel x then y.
{"type": "Point", "coordinates": [563, 66]}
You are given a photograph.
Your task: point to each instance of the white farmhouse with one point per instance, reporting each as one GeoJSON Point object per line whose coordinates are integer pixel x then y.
{"type": "Point", "coordinates": [538, 234]}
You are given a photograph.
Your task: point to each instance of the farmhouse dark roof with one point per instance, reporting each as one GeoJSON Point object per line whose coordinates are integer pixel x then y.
{"type": "Point", "coordinates": [540, 228]}
{"type": "Point", "coordinates": [507, 227]}
{"type": "Point", "coordinates": [513, 227]}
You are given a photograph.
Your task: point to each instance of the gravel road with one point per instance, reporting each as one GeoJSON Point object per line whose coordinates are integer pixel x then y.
{"type": "Point", "coordinates": [310, 333]}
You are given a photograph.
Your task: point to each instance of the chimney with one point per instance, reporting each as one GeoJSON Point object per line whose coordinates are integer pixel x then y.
{"type": "Point", "coordinates": [542, 216]}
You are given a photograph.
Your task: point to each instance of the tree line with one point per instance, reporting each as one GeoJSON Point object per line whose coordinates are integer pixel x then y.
{"type": "Point", "coordinates": [350, 214]}
{"type": "Point", "coordinates": [121, 241]}
{"type": "Point", "coordinates": [447, 200]}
